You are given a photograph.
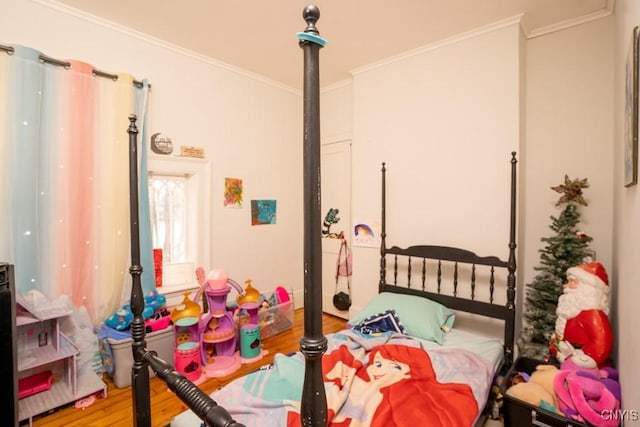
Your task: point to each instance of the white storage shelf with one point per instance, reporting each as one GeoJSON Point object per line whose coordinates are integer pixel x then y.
{"type": "Point", "coordinates": [41, 347]}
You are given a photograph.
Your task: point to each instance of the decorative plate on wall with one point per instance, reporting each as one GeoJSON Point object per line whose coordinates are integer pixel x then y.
{"type": "Point", "coordinates": [161, 144]}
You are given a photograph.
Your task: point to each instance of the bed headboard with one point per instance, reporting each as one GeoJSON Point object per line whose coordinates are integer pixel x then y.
{"type": "Point", "coordinates": [421, 270]}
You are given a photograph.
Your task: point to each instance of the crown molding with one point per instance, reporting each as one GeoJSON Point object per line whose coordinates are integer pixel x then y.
{"type": "Point", "coordinates": [517, 19]}
{"type": "Point", "coordinates": [602, 13]}
{"type": "Point", "coordinates": [62, 8]}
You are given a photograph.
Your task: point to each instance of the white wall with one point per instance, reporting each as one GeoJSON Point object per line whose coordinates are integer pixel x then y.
{"type": "Point", "coordinates": [445, 120]}
{"type": "Point", "coordinates": [427, 119]}
{"type": "Point", "coordinates": [569, 100]}
{"type": "Point", "coordinates": [626, 250]}
{"type": "Point", "coordinates": [336, 111]}
{"type": "Point", "coordinates": [239, 119]}
{"type": "Point", "coordinates": [569, 130]}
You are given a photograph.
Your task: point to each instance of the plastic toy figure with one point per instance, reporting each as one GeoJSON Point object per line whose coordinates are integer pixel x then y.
{"type": "Point", "coordinates": [582, 326]}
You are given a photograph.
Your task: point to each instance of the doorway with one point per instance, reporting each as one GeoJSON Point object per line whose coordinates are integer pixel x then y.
{"type": "Point", "coordinates": [336, 194]}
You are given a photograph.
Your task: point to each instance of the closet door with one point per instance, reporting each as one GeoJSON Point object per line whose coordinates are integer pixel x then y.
{"type": "Point", "coordinates": [336, 194]}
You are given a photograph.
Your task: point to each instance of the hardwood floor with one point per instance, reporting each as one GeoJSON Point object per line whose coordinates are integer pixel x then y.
{"type": "Point", "coordinates": [116, 410]}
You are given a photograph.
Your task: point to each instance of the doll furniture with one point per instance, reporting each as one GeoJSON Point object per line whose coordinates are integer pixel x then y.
{"type": "Point", "coordinates": [47, 371]}
{"type": "Point", "coordinates": [186, 320]}
{"type": "Point", "coordinates": [218, 337]}
{"type": "Point", "coordinates": [250, 339]}
{"type": "Point", "coordinates": [250, 334]}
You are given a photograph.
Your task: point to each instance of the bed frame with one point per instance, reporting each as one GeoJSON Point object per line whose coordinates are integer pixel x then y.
{"type": "Point", "coordinates": [432, 261]}
{"type": "Point", "coordinates": [313, 344]}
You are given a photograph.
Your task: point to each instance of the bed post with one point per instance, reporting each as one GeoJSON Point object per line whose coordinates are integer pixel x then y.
{"type": "Point", "coordinates": [197, 400]}
{"type": "Point", "coordinates": [139, 371]}
{"type": "Point", "coordinates": [313, 410]}
{"type": "Point", "coordinates": [383, 230]}
{"type": "Point", "coordinates": [509, 331]}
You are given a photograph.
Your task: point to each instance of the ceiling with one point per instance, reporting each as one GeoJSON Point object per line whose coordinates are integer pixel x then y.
{"type": "Point", "coordinates": [260, 37]}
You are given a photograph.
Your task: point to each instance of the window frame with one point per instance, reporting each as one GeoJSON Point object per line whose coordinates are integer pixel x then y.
{"type": "Point", "coordinates": [198, 190]}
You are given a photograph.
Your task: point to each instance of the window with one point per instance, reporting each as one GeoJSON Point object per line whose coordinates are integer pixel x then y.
{"type": "Point", "coordinates": [167, 196]}
{"type": "Point", "coordinates": [179, 193]}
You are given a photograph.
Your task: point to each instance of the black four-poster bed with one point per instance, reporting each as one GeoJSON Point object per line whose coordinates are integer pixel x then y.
{"type": "Point", "coordinates": [313, 345]}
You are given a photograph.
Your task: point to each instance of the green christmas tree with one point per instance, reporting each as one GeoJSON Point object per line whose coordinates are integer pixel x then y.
{"type": "Point", "coordinates": [566, 248]}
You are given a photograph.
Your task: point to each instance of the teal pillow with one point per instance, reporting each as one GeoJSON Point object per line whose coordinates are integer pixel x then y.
{"type": "Point", "coordinates": [422, 317]}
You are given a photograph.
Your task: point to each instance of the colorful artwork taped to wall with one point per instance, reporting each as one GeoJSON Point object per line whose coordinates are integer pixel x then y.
{"type": "Point", "coordinates": [366, 233]}
{"type": "Point", "coordinates": [263, 212]}
{"type": "Point", "coordinates": [232, 193]}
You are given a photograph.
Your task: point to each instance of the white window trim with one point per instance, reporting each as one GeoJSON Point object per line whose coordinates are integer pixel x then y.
{"type": "Point", "coordinates": [198, 209]}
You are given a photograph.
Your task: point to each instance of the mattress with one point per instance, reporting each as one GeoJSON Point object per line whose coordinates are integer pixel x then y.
{"type": "Point", "coordinates": [489, 349]}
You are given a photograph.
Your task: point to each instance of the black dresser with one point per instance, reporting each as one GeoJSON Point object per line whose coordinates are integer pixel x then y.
{"type": "Point", "coordinates": [8, 361]}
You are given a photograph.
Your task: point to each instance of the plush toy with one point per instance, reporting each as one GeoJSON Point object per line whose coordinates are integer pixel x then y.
{"type": "Point", "coordinates": [586, 394]}
{"type": "Point", "coordinates": [538, 388]}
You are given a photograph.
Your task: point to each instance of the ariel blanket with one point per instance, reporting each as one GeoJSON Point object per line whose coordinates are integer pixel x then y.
{"type": "Point", "coordinates": [383, 380]}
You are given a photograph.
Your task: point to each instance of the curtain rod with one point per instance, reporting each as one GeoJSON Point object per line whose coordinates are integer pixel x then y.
{"type": "Point", "coordinates": [49, 60]}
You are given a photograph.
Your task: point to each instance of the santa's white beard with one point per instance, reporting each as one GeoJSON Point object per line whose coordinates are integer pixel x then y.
{"type": "Point", "coordinates": [574, 301]}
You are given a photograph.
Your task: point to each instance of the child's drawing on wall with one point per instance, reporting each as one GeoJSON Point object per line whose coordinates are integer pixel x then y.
{"type": "Point", "coordinates": [263, 212]}
{"type": "Point", "coordinates": [232, 192]}
{"type": "Point", "coordinates": [366, 233]}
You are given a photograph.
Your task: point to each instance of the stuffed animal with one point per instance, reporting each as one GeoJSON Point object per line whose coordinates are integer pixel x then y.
{"type": "Point", "coordinates": [586, 394]}
{"type": "Point", "coordinates": [538, 389]}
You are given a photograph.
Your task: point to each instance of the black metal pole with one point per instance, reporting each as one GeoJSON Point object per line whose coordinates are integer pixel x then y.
{"type": "Point", "coordinates": [383, 234]}
{"type": "Point", "coordinates": [313, 344]}
{"type": "Point", "coordinates": [139, 370]}
{"type": "Point", "coordinates": [509, 332]}
{"type": "Point", "coordinates": [198, 401]}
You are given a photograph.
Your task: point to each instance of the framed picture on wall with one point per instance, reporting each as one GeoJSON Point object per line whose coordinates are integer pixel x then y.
{"type": "Point", "coordinates": [631, 112]}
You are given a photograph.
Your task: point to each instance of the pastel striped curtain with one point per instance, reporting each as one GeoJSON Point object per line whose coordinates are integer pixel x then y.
{"type": "Point", "coordinates": [64, 175]}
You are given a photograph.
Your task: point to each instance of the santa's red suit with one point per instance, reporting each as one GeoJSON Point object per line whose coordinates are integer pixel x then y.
{"type": "Point", "coordinates": [582, 314]}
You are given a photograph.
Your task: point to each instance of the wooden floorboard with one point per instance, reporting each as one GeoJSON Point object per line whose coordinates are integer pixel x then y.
{"type": "Point", "coordinates": [116, 409]}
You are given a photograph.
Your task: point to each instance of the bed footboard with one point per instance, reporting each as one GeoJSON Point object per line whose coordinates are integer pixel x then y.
{"type": "Point", "coordinates": [198, 401]}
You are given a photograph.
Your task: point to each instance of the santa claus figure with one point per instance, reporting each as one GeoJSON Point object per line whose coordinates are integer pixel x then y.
{"type": "Point", "coordinates": [582, 329]}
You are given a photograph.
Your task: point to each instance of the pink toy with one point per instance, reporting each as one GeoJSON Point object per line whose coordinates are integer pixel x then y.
{"type": "Point", "coordinates": [218, 329]}
{"type": "Point", "coordinates": [86, 402]}
{"type": "Point", "coordinates": [34, 384]}
{"type": "Point", "coordinates": [282, 295]}
{"type": "Point", "coordinates": [186, 355]}
{"type": "Point", "coordinates": [217, 279]}
{"type": "Point", "coordinates": [584, 394]}
{"type": "Point", "coordinates": [159, 321]}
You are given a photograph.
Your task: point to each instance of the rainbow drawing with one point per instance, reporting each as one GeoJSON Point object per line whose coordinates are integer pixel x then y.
{"type": "Point", "coordinates": [363, 230]}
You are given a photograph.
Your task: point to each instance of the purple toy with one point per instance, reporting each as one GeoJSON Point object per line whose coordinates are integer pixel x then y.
{"type": "Point", "coordinates": [586, 394]}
